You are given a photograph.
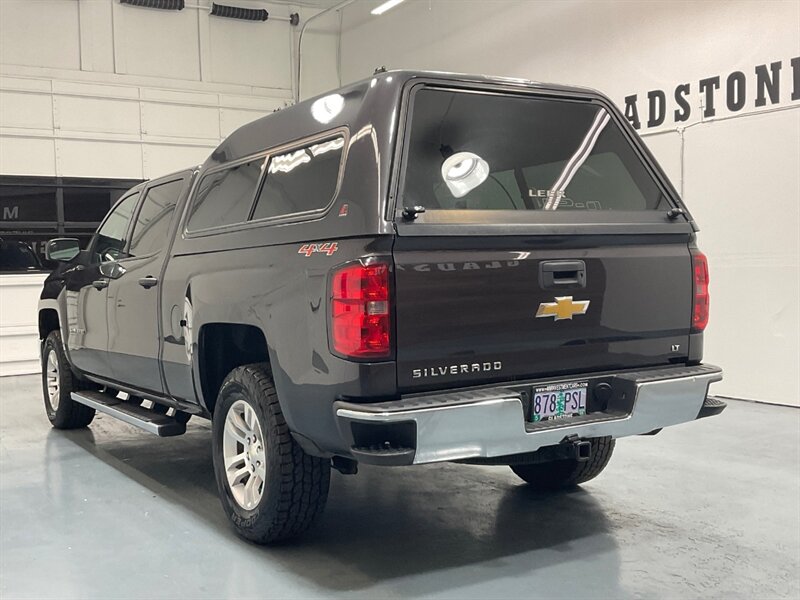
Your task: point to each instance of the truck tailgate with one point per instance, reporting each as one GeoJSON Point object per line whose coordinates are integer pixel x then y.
{"type": "Point", "coordinates": [467, 307]}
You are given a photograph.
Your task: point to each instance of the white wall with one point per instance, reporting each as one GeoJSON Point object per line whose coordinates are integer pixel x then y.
{"type": "Point", "coordinates": [740, 176]}
{"type": "Point", "coordinates": [320, 63]}
{"type": "Point", "coordinates": [19, 333]}
{"type": "Point", "coordinates": [93, 88]}
{"type": "Point", "coordinates": [97, 88]}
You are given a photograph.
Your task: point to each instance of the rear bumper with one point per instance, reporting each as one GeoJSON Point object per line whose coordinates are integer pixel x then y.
{"type": "Point", "coordinates": [489, 423]}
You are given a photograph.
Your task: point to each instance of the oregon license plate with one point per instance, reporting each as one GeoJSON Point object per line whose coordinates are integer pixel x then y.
{"type": "Point", "coordinates": [559, 401]}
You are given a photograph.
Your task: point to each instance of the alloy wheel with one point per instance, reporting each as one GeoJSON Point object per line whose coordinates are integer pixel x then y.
{"type": "Point", "coordinates": [51, 372]}
{"type": "Point", "coordinates": [244, 455]}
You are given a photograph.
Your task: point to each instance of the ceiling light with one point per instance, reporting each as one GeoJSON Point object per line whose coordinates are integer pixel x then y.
{"type": "Point", "coordinates": [379, 10]}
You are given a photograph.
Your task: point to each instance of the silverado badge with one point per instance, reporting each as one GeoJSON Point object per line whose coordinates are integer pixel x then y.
{"type": "Point", "coordinates": [563, 308]}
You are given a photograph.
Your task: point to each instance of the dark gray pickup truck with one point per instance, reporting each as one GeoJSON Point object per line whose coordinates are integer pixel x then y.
{"type": "Point", "coordinates": [418, 267]}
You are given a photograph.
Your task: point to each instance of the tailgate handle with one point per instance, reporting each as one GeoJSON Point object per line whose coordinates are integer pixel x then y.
{"type": "Point", "coordinates": [555, 274]}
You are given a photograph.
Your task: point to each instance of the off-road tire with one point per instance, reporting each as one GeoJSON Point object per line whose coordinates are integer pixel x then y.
{"type": "Point", "coordinates": [68, 414]}
{"type": "Point", "coordinates": [296, 484]}
{"type": "Point", "coordinates": [560, 474]}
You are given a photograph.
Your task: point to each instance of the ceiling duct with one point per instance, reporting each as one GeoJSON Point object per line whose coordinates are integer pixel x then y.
{"type": "Point", "coordinates": [237, 12]}
{"type": "Point", "coordinates": [162, 4]}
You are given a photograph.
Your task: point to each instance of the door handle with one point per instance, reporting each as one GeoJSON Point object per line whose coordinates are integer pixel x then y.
{"type": "Point", "coordinates": [562, 273]}
{"type": "Point", "coordinates": [148, 282]}
{"type": "Point", "coordinates": [100, 284]}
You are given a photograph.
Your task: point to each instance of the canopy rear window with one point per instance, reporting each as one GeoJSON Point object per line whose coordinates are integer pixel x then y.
{"type": "Point", "coordinates": [483, 151]}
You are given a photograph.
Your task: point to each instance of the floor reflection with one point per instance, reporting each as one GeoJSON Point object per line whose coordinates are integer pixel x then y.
{"type": "Point", "coordinates": [383, 523]}
{"type": "Point", "coordinates": [112, 512]}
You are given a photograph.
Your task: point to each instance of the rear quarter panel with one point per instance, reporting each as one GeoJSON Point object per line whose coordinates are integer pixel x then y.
{"type": "Point", "coordinates": [284, 293]}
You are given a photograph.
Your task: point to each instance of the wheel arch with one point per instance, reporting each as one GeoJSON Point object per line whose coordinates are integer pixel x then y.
{"type": "Point", "coordinates": [221, 347]}
{"type": "Point", "coordinates": [49, 321]}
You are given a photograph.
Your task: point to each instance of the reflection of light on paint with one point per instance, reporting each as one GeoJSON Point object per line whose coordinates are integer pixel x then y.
{"type": "Point", "coordinates": [327, 107]}
{"type": "Point", "coordinates": [369, 131]}
{"type": "Point", "coordinates": [324, 147]}
{"type": "Point", "coordinates": [188, 338]}
{"type": "Point", "coordinates": [373, 82]}
{"type": "Point", "coordinates": [286, 162]}
{"type": "Point", "coordinates": [389, 79]}
{"type": "Point", "coordinates": [363, 132]}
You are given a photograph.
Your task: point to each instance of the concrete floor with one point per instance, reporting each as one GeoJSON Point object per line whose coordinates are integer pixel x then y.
{"type": "Point", "coordinates": [708, 509]}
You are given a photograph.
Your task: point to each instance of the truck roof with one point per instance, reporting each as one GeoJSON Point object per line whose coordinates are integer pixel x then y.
{"type": "Point", "coordinates": [367, 111]}
{"type": "Point", "coordinates": [357, 105]}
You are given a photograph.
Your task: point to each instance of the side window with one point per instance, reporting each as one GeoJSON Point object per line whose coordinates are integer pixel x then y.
{"type": "Point", "coordinates": [152, 222]}
{"type": "Point", "coordinates": [225, 197]}
{"type": "Point", "coordinates": [300, 180]}
{"type": "Point", "coordinates": [110, 238]}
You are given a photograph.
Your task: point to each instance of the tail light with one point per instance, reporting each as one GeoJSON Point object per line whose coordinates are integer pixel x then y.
{"type": "Point", "coordinates": [700, 306]}
{"type": "Point", "coordinates": [360, 318]}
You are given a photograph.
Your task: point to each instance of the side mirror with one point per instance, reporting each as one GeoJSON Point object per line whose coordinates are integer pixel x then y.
{"type": "Point", "coordinates": [62, 249]}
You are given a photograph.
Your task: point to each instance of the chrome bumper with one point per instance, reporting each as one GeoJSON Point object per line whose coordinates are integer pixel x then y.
{"type": "Point", "coordinates": [491, 423]}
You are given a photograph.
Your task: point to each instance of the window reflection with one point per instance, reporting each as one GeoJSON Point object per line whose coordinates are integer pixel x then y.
{"type": "Point", "coordinates": [301, 180]}
{"type": "Point", "coordinates": [225, 197]}
{"type": "Point", "coordinates": [542, 154]}
{"type": "Point", "coordinates": [284, 163]}
{"type": "Point", "coordinates": [111, 237]}
{"type": "Point", "coordinates": [152, 223]}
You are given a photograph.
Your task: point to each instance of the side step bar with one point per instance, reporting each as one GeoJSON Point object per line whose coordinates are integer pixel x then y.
{"type": "Point", "coordinates": [132, 414]}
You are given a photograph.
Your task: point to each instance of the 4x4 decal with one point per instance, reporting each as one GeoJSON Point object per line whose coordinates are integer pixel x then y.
{"type": "Point", "coordinates": [327, 248]}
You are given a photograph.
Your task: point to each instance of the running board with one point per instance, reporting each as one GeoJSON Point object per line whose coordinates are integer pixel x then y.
{"type": "Point", "coordinates": [132, 414]}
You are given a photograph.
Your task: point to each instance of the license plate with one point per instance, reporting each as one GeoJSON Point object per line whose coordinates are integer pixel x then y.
{"type": "Point", "coordinates": [559, 401]}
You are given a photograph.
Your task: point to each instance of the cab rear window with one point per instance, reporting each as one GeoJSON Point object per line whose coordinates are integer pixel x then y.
{"type": "Point", "coordinates": [481, 151]}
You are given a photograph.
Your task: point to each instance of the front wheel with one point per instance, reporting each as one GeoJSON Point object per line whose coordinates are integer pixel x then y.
{"type": "Point", "coordinates": [559, 474]}
{"type": "Point", "coordinates": [270, 488]}
{"type": "Point", "coordinates": [58, 383]}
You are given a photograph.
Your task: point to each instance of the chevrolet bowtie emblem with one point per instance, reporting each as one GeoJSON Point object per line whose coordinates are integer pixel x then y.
{"type": "Point", "coordinates": [563, 308]}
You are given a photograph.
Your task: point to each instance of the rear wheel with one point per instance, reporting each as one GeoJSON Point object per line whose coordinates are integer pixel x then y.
{"type": "Point", "coordinates": [270, 488]}
{"type": "Point", "coordinates": [58, 383]}
{"type": "Point", "coordinates": [567, 473]}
